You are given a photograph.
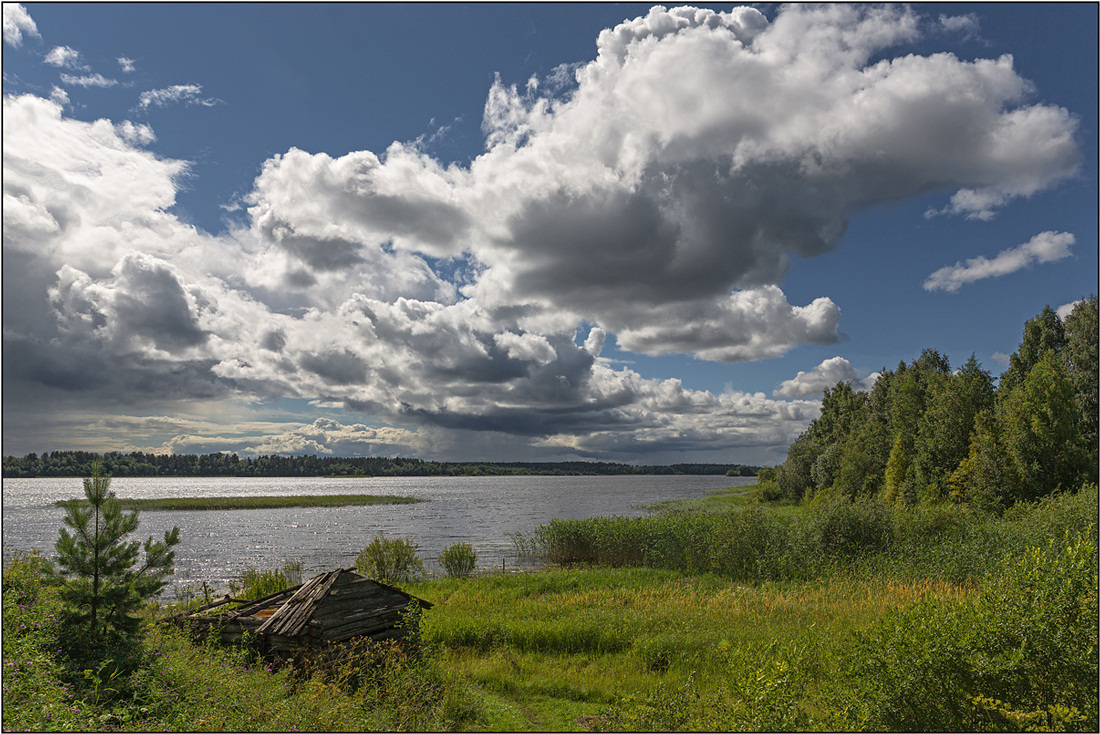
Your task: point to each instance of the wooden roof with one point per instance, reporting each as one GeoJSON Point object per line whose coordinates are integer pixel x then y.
{"type": "Point", "coordinates": [341, 594]}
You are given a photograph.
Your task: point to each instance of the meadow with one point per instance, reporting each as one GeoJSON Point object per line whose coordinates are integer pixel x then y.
{"type": "Point", "coordinates": [724, 614]}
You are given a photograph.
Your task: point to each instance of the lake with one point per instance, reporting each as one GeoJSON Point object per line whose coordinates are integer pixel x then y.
{"type": "Point", "coordinates": [216, 545]}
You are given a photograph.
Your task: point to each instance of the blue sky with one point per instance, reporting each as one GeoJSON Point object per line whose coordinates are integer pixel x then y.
{"type": "Point", "coordinates": [523, 231]}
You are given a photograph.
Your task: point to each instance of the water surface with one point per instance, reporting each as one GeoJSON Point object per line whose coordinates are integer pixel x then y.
{"type": "Point", "coordinates": [215, 545]}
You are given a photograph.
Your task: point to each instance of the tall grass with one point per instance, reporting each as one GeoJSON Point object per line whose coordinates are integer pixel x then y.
{"type": "Point", "coordinates": [257, 583]}
{"type": "Point", "coordinates": [866, 536]}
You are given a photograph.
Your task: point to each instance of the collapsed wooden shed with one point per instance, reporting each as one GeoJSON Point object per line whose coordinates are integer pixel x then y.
{"type": "Point", "coordinates": [336, 607]}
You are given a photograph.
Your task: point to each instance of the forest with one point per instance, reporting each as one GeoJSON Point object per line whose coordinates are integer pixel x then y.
{"type": "Point", "coordinates": [139, 464]}
{"type": "Point", "coordinates": [926, 433]}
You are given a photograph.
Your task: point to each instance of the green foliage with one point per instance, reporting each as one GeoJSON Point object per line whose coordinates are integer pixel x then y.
{"type": "Point", "coordinates": [926, 435]}
{"type": "Point", "coordinates": [458, 560]}
{"type": "Point", "coordinates": [1023, 655]}
{"type": "Point", "coordinates": [1043, 333]}
{"type": "Point", "coordinates": [1080, 356]}
{"type": "Point", "coordinates": [795, 475]}
{"type": "Point", "coordinates": [839, 527]}
{"type": "Point", "coordinates": [766, 474]}
{"type": "Point", "coordinates": [944, 428]}
{"type": "Point", "coordinates": [896, 467]}
{"type": "Point", "coordinates": [392, 560]}
{"type": "Point", "coordinates": [256, 584]}
{"type": "Point", "coordinates": [1040, 432]}
{"type": "Point", "coordinates": [863, 459]}
{"type": "Point", "coordinates": [102, 588]}
{"type": "Point", "coordinates": [766, 490]}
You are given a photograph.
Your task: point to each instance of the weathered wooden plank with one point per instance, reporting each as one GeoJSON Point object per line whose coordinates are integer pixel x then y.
{"type": "Point", "coordinates": [295, 613]}
{"type": "Point", "coordinates": [338, 620]}
{"type": "Point", "coordinates": [291, 605]}
{"type": "Point", "coordinates": [331, 606]}
{"type": "Point", "coordinates": [363, 627]}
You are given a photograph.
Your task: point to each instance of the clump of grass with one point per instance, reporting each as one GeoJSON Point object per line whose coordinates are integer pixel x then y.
{"type": "Point", "coordinates": [253, 503]}
{"type": "Point", "coordinates": [458, 560]}
{"type": "Point", "coordinates": [256, 584]}
{"type": "Point", "coordinates": [392, 560]}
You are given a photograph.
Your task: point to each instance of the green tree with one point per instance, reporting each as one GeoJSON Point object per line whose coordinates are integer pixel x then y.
{"type": "Point", "coordinates": [863, 458]}
{"type": "Point", "coordinates": [896, 466]}
{"type": "Point", "coordinates": [794, 475]}
{"type": "Point", "coordinates": [1080, 356]}
{"type": "Point", "coordinates": [943, 431]}
{"type": "Point", "coordinates": [1041, 432]}
{"type": "Point", "coordinates": [1042, 333]}
{"type": "Point", "coordinates": [102, 587]}
{"type": "Point", "coordinates": [910, 392]}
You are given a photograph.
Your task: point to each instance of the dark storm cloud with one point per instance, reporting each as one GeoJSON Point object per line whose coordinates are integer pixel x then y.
{"type": "Point", "coordinates": [336, 366]}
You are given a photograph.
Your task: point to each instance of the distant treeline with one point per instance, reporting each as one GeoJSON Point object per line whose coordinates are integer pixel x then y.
{"type": "Point", "coordinates": [138, 464]}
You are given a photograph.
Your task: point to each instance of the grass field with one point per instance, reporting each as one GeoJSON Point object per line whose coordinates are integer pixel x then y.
{"type": "Point", "coordinates": [932, 618]}
{"type": "Point", "coordinates": [253, 503]}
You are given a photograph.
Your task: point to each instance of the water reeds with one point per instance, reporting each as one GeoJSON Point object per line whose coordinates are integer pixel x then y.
{"type": "Point", "coordinates": [868, 536]}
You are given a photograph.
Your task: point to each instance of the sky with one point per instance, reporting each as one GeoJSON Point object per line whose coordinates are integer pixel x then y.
{"type": "Point", "coordinates": [523, 232]}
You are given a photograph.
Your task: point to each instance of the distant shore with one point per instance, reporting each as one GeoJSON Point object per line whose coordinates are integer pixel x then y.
{"type": "Point", "coordinates": [138, 464]}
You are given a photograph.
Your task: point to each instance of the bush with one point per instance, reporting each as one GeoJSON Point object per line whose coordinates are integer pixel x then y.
{"type": "Point", "coordinates": [458, 560]}
{"type": "Point", "coordinates": [390, 560]}
{"type": "Point", "coordinates": [843, 528]}
{"type": "Point", "coordinates": [1022, 655]}
{"type": "Point", "coordinates": [766, 490]}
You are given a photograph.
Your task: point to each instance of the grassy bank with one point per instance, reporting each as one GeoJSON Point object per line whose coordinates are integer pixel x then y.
{"type": "Point", "coordinates": [253, 503]}
{"type": "Point", "coordinates": [847, 619]}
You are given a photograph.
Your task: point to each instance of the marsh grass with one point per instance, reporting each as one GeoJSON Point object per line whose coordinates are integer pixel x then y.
{"type": "Point", "coordinates": [254, 503]}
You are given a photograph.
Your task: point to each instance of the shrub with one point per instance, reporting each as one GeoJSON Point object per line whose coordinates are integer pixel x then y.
{"type": "Point", "coordinates": [390, 560]}
{"type": "Point", "coordinates": [843, 528]}
{"type": "Point", "coordinates": [459, 560]}
{"type": "Point", "coordinates": [766, 490]}
{"type": "Point", "coordinates": [1022, 655]}
{"type": "Point", "coordinates": [747, 545]}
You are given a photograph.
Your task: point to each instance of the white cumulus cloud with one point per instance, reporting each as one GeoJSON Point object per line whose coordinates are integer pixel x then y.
{"type": "Point", "coordinates": [17, 22]}
{"type": "Point", "coordinates": [65, 57]}
{"type": "Point", "coordinates": [448, 301]}
{"type": "Point", "coordinates": [1044, 247]}
{"type": "Point", "coordinates": [654, 203]}
{"type": "Point", "coordinates": [827, 374]}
